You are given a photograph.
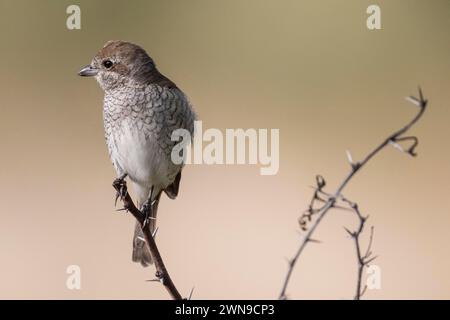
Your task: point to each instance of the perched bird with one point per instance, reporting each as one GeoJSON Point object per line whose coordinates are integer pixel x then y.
{"type": "Point", "coordinates": [141, 109]}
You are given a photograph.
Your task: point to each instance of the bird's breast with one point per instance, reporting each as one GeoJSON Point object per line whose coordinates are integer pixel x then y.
{"type": "Point", "coordinates": [138, 153]}
{"type": "Point", "coordinates": [138, 127]}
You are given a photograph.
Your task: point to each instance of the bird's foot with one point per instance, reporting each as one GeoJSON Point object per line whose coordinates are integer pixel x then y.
{"type": "Point", "coordinates": [121, 188]}
{"type": "Point", "coordinates": [146, 210]}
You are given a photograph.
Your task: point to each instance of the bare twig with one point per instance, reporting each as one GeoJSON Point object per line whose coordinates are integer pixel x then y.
{"type": "Point", "coordinates": [330, 202]}
{"type": "Point", "coordinates": [364, 259]}
{"type": "Point", "coordinates": [162, 275]}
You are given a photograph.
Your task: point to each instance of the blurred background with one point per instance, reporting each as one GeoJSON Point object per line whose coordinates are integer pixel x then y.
{"type": "Point", "coordinates": [310, 68]}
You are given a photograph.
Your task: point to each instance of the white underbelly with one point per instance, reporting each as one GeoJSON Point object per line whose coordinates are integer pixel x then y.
{"type": "Point", "coordinates": [141, 158]}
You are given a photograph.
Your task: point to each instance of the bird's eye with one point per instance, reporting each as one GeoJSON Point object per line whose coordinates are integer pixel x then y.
{"type": "Point", "coordinates": [107, 64]}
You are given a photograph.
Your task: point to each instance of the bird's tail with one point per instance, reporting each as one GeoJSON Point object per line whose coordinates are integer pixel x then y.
{"type": "Point", "coordinates": [141, 253]}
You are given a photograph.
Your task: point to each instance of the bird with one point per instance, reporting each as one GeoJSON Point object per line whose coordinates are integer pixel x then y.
{"type": "Point", "coordinates": [141, 109]}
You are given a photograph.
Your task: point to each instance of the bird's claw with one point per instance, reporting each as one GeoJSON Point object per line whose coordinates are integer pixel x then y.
{"type": "Point", "coordinates": [121, 188]}
{"type": "Point", "coordinates": [117, 197]}
{"type": "Point", "coordinates": [147, 210]}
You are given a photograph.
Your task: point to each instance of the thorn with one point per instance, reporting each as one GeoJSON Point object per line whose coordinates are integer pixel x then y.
{"type": "Point", "coordinates": [154, 232]}
{"type": "Point", "coordinates": [122, 209]}
{"type": "Point", "coordinates": [354, 165]}
{"type": "Point", "coordinates": [152, 280]}
{"type": "Point", "coordinates": [160, 276]}
{"type": "Point", "coordinates": [420, 102]}
{"type": "Point", "coordinates": [190, 294]}
{"type": "Point", "coordinates": [141, 238]}
{"type": "Point", "coordinates": [414, 101]}
{"type": "Point", "coordinates": [396, 145]}
{"type": "Point", "coordinates": [349, 157]}
{"type": "Point", "coordinates": [424, 102]}
{"type": "Point", "coordinates": [289, 261]}
{"type": "Point", "coordinates": [313, 240]}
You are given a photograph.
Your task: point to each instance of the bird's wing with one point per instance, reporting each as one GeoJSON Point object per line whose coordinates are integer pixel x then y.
{"type": "Point", "coordinates": [178, 114]}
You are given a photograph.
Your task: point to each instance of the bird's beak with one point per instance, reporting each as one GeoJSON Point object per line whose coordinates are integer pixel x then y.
{"type": "Point", "coordinates": [88, 71]}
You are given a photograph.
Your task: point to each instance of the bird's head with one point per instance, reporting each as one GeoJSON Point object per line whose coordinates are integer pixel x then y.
{"type": "Point", "coordinates": [120, 63]}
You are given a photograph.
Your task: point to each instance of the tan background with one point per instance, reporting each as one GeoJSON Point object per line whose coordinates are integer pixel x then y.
{"type": "Point", "coordinates": [310, 68]}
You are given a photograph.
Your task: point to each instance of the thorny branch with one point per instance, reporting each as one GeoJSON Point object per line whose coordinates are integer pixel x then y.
{"type": "Point", "coordinates": [363, 259]}
{"type": "Point", "coordinates": [162, 275]}
{"type": "Point", "coordinates": [329, 201]}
